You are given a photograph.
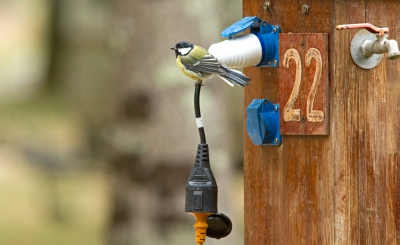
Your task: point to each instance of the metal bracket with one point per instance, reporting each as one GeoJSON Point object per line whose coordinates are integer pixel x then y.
{"type": "Point", "coordinates": [267, 34]}
{"type": "Point", "coordinates": [262, 123]}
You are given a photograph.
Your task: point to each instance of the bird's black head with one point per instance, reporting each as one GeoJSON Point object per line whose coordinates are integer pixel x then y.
{"type": "Point", "coordinates": [182, 48]}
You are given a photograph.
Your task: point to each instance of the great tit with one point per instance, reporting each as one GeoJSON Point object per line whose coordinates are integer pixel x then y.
{"type": "Point", "coordinates": [198, 64]}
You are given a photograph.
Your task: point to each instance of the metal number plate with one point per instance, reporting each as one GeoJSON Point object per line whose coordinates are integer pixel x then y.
{"type": "Point", "coordinates": [304, 84]}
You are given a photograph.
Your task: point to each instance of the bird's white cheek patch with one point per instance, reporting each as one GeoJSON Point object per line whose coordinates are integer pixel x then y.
{"type": "Point", "coordinates": [184, 51]}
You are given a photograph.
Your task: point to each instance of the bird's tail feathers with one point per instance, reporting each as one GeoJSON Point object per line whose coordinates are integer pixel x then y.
{"type": "Point", "coordinates": [234, 76]}
{"type": "Point", "coordinates": [226, 80]}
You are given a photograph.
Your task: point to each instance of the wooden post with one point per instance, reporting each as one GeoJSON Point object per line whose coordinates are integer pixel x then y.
{"type": "Point", "coordinates": [339, 188]}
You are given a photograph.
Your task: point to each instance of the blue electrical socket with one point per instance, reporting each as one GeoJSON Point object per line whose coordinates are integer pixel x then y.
{"type": "Point", "coordinates": [262, 123]}
{"type": "Point", "coordinates": [267, 34]}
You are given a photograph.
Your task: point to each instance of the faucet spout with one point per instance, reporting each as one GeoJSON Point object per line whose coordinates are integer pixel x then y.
{"type": "Point", "coordinates": [393, 50]}
{"type": "Point", "coordinates": [379, 46]}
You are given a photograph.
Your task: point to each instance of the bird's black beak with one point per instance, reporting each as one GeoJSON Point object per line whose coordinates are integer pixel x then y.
{"type": "Point", "coordinates": [173, 48]}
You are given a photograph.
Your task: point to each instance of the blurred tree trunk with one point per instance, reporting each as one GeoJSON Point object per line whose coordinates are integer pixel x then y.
{"type": "Point", "coordinates": [153, 135]}
{"type": "Point", "coordinates": [54, 43]}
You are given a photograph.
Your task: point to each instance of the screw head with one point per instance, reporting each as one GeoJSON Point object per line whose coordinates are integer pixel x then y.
{"type": "Point", "coordinates": [267, 6]}
{"type": "Point", "coordinates": [276, 140]}
{"type": "Point", "coordinates": [275, 108]}
{"type": "Point", "coordinates": [305, 9]}
{"type": "Point", "coordinates": [275, 62]}
{"type": "Point", "coordinates": [274, 30]}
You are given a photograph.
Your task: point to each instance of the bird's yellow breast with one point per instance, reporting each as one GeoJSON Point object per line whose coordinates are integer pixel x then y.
{"type": "Point", "coordinates": [191, 74]}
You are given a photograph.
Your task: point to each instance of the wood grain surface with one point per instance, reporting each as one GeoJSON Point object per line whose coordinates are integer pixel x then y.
{"type": "Point", "coordinates": [343, 188]}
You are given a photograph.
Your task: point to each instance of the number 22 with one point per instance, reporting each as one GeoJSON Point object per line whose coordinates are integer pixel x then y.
{"type": "Point", "coordinates": [290, 114]}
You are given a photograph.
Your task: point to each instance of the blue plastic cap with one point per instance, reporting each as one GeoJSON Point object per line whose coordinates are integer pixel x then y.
{"type": "Point", "coordinates": [263, 123]}
{"type": "Point", "coordinates": [239, 26]}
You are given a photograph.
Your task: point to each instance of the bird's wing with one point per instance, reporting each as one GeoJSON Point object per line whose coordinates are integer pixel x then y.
{"type": "Point", "coordinates": [208, 64]}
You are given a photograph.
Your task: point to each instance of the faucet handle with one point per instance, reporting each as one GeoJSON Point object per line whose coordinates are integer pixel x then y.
{"type": "Point", "coordinates": [371, 28]}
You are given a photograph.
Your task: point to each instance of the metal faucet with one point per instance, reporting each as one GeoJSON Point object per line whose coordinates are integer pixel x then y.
{"type": "Point", "coordinates": [369, 45]}
{"type": "Point", "coordinates": [380, 46]}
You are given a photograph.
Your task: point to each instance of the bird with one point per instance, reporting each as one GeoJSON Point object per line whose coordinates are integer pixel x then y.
{"type": "Point", "coordinates": [198, 64]}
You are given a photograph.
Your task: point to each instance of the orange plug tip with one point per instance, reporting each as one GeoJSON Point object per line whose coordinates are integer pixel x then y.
{"type": "Point", "coordinates": [201, 227]}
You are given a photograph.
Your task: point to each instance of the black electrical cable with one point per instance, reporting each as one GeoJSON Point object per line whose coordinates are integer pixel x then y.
{"type": "Point", "coordinates": [198, 113]}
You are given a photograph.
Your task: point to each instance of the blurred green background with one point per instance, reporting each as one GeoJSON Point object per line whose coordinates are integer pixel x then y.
{"type": "Point", "coordinates": [97, 129]}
